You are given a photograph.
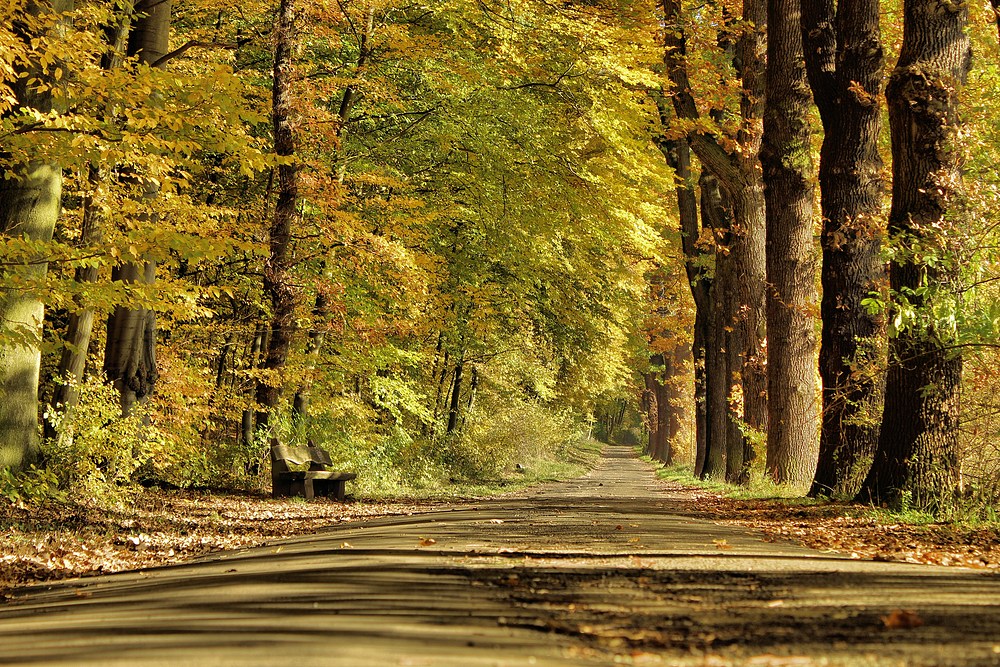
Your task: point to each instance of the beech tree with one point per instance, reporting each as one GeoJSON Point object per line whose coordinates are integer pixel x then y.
{"type": "Point", "coordinates": [740, 267]}
{"type": "Point", "coordinates": [278, 279]}
{"type": "Point", "coordinates": [786, 156]}
{"type": "Point", "coordinates": [917, 458]}
{"type": "Point", "coordinates": [844, 61]}
{"type": "Point", "coordinates": [130, 352]}
{"type": "Point", "coordinates": [30, 202]}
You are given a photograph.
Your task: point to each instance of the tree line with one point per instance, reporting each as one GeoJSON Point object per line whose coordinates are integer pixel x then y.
{"type": "Point", "coordinates": [404, 230]}
{"type": "Point", "coordinates": [899, 311]}
{"type": "Point", "coordinates": [416, 231]}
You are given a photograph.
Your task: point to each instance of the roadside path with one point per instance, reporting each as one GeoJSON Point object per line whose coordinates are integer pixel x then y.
{"type": "Point", "coordinates": [597, 571]}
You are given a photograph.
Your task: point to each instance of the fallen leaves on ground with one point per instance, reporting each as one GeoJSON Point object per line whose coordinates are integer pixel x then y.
{"type": "Point", "coordinates": [157, 527]}
{"type": "Point", "coordinates": [902, 619]}
{"type": "Point", "coordinates": [849, 529]}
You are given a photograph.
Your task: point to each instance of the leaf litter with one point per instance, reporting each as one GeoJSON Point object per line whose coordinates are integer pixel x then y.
{"type": "Point", "coordinates": [48, 542]}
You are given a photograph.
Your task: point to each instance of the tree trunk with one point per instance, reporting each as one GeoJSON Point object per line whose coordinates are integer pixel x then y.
{"type": "Point", "coordinates": [440, 395]}
{"type": "Point", "coordinates": [917, 456]}
{"type": "Point", "coordinates": [247, 418]}
{"type": "Point", "coordinates": [786, 157]}
{"type": "Point", "coordinates": [278, 283]}
{"type": "Point", "coordinates": [456, 397]}
{"type": "Point", "coordinates": [129, 359]}
{"type": "Point", "coordinates": [678, 155]}
{"type": "Point", "coordinates": [740, 317]}
{"type": "Point", "coordinates": [130, 355]}
{"type": "Point", "coordinates": [718, 381]}
{"type": "Point", "coordinates": [649, 404]}
{"type": "Point", "coordinates": [844, 61]}
{"type": "Point", "coordinates": [73, 360]}
{"type": "Point", "coordinates": [29, 208]}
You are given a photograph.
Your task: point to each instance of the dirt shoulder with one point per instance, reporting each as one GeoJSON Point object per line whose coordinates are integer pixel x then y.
{"type": "Point", "coordinates": [847, 528]}
{"type": "Point", "coordinates": [158, 527]}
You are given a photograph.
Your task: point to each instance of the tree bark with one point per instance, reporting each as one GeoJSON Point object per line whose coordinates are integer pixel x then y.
{"type": "Point", "coordinates": [278, 283]}
{"type": "Point", "coordinates": [786, 157]}
{"type": "Point", "coordinates": [678, 155]}
{"type": "Point", "coordinates": [844, 62]}
{"type": "Point", "coordinates": [739, 318]}
{"type": "Point", "coordinates": [29, 208]}
{"type": "Point", "coordinates": [247, 417]}
{"type": "Point", "coordinates": [716, 216]}
{"type": "Point", "coordinates": [917, 455]}
{"type": "Point", "coordinates": [80, 326]}
{"type": "Point", "coordinates": [455, 405]}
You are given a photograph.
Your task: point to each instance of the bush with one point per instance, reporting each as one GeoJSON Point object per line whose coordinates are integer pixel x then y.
{"type": "Point", "coordinates": [97, 450]}
{"type": "Point", "coordinates": [499, 436]}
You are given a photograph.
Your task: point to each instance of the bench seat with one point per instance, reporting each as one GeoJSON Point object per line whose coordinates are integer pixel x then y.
{"type": "Point", "coordinates": [316, 481]}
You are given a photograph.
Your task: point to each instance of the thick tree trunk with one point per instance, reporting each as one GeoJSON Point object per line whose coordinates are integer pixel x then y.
{"type": "Point", "coordinates": [786, 157]}
{"type": "Point", "coordinates": [844, 61]}
{"type": "Point", "coordinates": [917, 455]}
{"type": "Point", "coordinates": [740, 316]}
{"type": "Point", "coordinates": [278, 283]}
{"type": "Point", "coordinates": [130, 355]}
{"type": "Point", "coordinates": [129, 360]}
{"type": "Point", "coordinates": [29, 208]}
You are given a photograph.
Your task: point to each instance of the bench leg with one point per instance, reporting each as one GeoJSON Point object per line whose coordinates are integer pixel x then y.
{"type": "Point", "coordinates": [302, 488]}
{"type": "Point", "coordinates": [338, 490]}
{"type": "Point", "coordinates": [281, 488]}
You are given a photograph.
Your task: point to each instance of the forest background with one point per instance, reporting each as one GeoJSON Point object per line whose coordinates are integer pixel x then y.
{"type": "Point", "coordinates": [443, 239]}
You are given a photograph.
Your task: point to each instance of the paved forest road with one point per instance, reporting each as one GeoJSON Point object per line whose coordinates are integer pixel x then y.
{"type": "Point", "coordinates": [596, 571]}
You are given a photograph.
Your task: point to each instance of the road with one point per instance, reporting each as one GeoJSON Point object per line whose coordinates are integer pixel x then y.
{"type": "Point", "coordinates": [601, 570]}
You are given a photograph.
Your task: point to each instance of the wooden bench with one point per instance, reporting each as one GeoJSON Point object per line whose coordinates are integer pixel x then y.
{"type": "Point", "coordinates": [316, 481]}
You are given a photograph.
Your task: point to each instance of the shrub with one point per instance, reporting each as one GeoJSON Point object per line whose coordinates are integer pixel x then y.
{"type": "Point", "coordinates": [97, 450]}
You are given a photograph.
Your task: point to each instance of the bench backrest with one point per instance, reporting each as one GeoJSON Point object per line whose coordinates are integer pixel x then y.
{"type": "Point", "coordinates": [283, 455]}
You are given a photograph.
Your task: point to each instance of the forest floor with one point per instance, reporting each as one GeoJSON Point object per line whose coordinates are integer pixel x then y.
{"type": "Point", "coordinates": [161, 527]}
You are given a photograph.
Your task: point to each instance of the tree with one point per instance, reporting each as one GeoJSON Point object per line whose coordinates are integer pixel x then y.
{"type": "Point", "coordinates": [786, 157]}
{"type": "Point", "coordinates": [130, 352]}
{"type": "Point", "coordinates": [917, 454]}
{"type": "Point", "coordinates": [30, 202]}
{"type": "Point", "coordinates": [678, 154]}
{"type": "Point", "coordinates": [739, 276]}
{"type": "Point", "coordinates": [278, 279]}
{"type": "Point", "coordinates": [844, 61]}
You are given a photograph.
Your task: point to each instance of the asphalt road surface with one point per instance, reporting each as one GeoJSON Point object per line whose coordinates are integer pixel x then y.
{"type": "Point", "coordinates": [597, 571]}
